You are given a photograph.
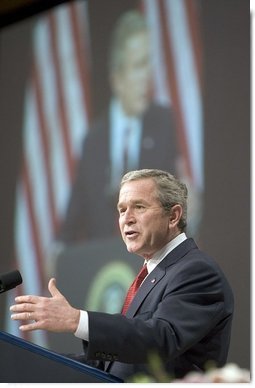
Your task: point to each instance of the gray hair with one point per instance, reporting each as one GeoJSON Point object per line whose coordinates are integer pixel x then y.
{"type": "Point", "coordinates": [170, 190]}
{"type": "Point", "coordinates": [129, 24]}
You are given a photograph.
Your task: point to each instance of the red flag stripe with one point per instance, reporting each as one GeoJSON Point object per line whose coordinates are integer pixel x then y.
{"type": "Point", "coordinates": [60, 94]}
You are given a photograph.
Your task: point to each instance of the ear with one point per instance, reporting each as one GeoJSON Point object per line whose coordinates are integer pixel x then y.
{"type": "Point", "coordinates": [175, 215]}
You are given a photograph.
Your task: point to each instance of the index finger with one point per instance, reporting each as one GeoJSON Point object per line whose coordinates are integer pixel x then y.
{"type": "Point", "coordinates": [26, 299]}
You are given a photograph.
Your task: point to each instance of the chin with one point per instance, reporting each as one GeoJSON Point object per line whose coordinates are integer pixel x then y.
{"type": "Point", "coordinates": [131, 248]}
{"type": "Point", "coordinates": [140, 107]}
{"type": "Point", "coordinates": [143, 108]}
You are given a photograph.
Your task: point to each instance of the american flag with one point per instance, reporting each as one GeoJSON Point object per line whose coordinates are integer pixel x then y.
{"type": "Point", "coordinates": [56, 117]}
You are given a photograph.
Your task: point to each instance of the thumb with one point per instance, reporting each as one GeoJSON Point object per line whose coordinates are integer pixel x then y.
{"type": "Point", "coordinates": [53, 288]}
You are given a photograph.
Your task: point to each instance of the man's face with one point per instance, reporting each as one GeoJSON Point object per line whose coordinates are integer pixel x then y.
{"type": "Point", "coordinates": [145, 226]}
{"type": "Point", "coordinates": [132, 81]}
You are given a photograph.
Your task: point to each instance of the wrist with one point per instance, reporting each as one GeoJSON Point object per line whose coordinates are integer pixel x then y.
{"type": "Point", "coordinates": [75, 321]}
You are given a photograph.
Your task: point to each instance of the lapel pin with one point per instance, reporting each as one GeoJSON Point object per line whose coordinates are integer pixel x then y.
{"type": "Point", "coordinates": [153, 280]}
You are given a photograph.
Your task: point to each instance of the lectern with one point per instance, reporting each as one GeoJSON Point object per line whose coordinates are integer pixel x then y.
{"type": "Point", "coordinates": [24, 362]}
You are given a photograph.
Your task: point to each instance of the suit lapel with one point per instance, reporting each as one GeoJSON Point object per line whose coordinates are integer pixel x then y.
{"type": "Point", "coordinates": [158, 273]}
{"type": "Point", "coordinates": [152, 279]}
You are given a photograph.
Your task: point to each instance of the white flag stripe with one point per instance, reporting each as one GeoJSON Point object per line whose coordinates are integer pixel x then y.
{"type": "Point", "coordinates": [76, 115]}
{"type": "Point", "coordinates": [161, 93]}
{"type": "Point", "coordinates": [188, 85]}
{"type": "Point", "coordinates": [37, 170]}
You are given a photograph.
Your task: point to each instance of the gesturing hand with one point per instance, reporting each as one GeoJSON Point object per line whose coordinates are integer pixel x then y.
{"type": "Point", "coordinates": [52, 314]}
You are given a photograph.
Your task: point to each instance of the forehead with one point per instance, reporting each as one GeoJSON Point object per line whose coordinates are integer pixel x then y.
{"type": "Point", "coordinates": [139, 189]}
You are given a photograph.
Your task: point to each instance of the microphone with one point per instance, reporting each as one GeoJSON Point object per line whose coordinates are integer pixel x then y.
{"type": "Point", "coordinates": [10, 280]}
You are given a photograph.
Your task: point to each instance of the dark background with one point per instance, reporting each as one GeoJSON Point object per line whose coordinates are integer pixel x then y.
{"type": "Point", "coordinates": [225, 232]}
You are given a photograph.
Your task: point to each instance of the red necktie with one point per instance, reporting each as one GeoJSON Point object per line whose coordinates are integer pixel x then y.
{"type": "Point", "coordinates": [134, 287]}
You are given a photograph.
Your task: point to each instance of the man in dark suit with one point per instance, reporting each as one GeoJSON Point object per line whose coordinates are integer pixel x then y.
{"type": "Point", "coordinates": [134, 132]}
{"type": "Point", "coordinates": [183, 308]}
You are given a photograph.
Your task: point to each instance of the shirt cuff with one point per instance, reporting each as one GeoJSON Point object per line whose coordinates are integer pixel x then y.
{"type": "Point", "coordinates": [82, 330]}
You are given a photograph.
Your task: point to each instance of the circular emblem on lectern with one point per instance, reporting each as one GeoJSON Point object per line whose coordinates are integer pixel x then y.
{"type": "Point", "coordinates": [109, 287]}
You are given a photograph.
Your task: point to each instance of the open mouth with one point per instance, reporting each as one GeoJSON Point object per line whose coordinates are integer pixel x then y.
{"type": "Point", "coordinates": [131, 233]}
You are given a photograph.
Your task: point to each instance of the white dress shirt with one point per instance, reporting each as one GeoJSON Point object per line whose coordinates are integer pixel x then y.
{"type": "Point", "coordinates": [82, 331]}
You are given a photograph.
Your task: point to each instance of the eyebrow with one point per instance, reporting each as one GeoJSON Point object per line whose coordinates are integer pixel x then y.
{"type": "Point", "coordinates": [134, 202]}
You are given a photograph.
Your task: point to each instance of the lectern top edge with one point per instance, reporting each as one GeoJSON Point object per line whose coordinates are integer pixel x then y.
{"type": "Point", "coordinates": [50, 355]}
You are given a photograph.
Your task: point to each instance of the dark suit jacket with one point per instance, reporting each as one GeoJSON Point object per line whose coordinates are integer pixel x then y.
{"type": "Point", "coordinates": [183, 312]}
{"type": "Point", "coordinates": [91, 193]}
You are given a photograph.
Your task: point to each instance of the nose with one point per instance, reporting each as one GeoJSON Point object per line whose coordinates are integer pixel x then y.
{"type": "Point", "coordinates": [129, 217]}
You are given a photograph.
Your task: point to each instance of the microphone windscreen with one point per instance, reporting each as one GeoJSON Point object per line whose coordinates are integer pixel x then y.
{"type": "Point", "coordinates": [10, 280]}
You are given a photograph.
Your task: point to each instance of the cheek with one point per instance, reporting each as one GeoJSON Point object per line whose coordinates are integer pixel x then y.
{"type": "Point", "coordinates": [160, 228]}
{"type": "Point", "coordinates": [121, 227]}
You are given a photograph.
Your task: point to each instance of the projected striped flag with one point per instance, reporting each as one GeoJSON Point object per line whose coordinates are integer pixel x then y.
{"type": "Point", "coordinates": [178, 75]}
{"type": "Point", "coordinates": [57, 111]}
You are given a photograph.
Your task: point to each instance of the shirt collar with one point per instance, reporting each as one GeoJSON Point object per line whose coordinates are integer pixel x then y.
{"type": "Point", "coordinates": [120, 116]}
{"type": "Point", "coordinates": [162, 253]}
